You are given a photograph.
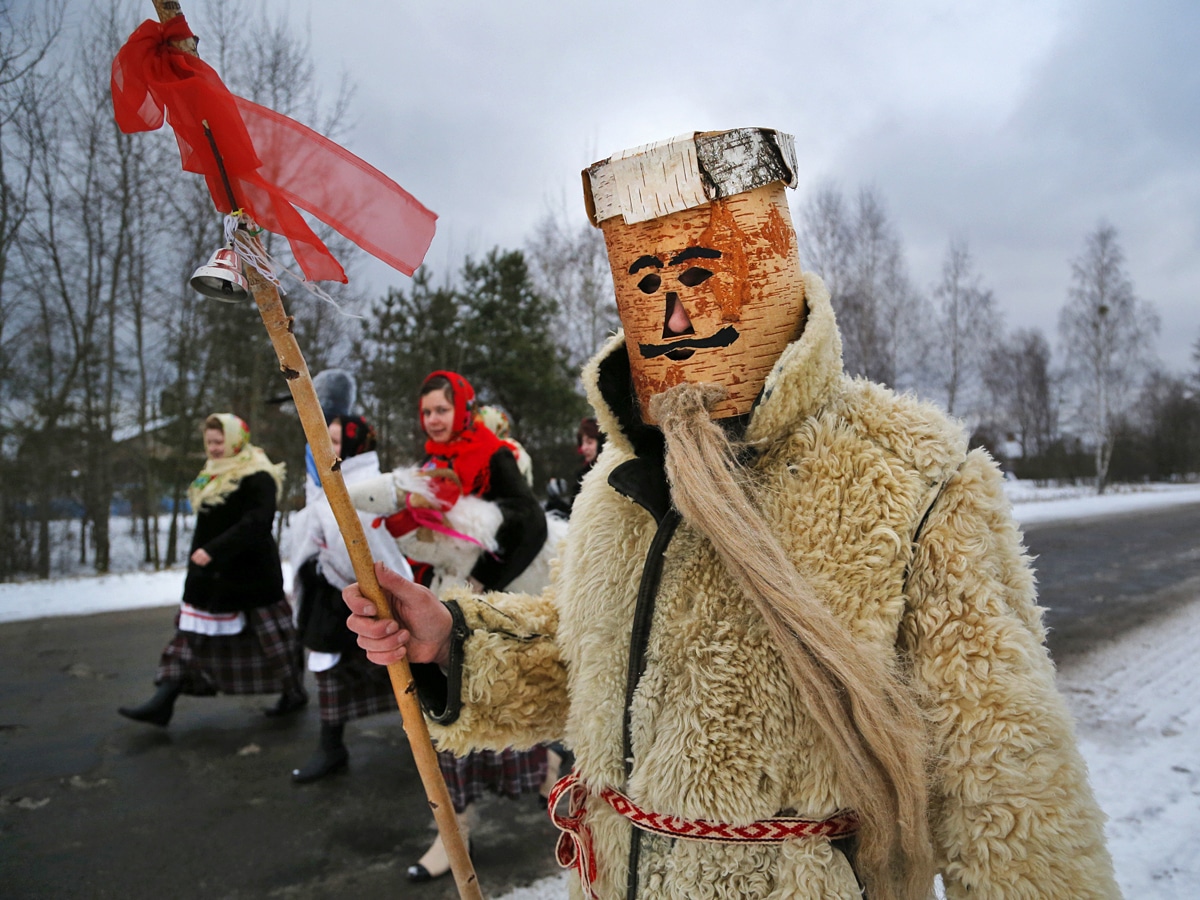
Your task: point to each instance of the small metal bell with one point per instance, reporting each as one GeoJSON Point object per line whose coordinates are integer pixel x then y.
{"type": "Point", "coordinates": [221, 277]}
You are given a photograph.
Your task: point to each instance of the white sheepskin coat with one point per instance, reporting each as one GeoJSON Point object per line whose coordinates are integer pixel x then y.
{"type": "Point", "coordinates": [719, 732]}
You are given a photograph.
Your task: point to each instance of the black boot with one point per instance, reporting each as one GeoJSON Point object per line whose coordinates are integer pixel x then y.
{"type": "Point", "coordinates": [158, 709]}
{"type": "Point", "coordinates": [330, 756]}
{"type": "Point", "coordinates": [289, 702]}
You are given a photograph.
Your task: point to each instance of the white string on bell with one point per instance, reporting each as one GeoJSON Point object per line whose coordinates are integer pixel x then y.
{"type": "Point", "coordinates": [241, 231]}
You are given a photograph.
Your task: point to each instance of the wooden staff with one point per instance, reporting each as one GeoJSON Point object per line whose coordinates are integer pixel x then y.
{"type": "Point", "coordinates": [316, 430]}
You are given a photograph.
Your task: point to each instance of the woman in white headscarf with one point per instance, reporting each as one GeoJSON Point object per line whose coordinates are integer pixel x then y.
{"type": "Point", "coordinates": [234, 631]}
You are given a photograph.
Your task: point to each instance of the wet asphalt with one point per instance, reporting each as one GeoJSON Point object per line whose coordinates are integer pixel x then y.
{"type": "Point", "coordinates": [95, 806]}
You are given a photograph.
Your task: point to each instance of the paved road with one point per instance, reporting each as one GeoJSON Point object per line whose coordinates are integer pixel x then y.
{"type": "Point", "coordinates": [1100, 577]}
{"type": "Point", "coordinates": [94, 806]}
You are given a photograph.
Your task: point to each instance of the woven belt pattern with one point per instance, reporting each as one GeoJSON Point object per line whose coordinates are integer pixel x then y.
{"type": "Point", "coordinates": [574, 847]}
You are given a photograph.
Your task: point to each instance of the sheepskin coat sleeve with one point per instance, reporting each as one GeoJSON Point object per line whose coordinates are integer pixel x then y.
{"type": "Point", "coordinates": [908, 540]}
{"type": "Point", "coordinates": [511, 680]}
{"type": "Point", "coordinates": [1014, 815]}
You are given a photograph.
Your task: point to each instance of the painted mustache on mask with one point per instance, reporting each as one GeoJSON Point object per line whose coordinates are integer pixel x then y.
{"type": "Point", "coordinates": [722, 338]}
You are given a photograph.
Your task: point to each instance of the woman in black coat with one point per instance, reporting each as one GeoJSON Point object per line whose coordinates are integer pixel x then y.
{"type": "Point", "coordinates": [234, 631]}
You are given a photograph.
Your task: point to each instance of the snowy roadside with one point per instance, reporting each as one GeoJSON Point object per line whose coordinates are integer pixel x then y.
{"type": "Point", "coordinates": [1135, 705]}
{"type": "Point", "coordinates": [135, 590]}
{"type": "Point", "coordinates": [24, 600]}
{"type": "Point", "coordinates": [90, 594]}
{"type": "Point", "coordinates": [1032, 504]}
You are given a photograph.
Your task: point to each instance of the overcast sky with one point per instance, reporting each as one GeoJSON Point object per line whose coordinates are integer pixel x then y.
{"type": "Point", "coordinates": [1016, 126]}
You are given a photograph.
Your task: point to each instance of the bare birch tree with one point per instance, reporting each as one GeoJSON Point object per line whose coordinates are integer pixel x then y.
{"type": "Point", "coordinates": [568, 262]}
{"type": "Point", "coordinates": [1019, 378]}
{"type": "Point", "coordinates": [90, 256]}
{"type": "Point", "coordinates": [1106, 332]}
{"type": "Point", "coordinates": [884, 322]}
{"type": "Point", "coordinates": [824, 236]}
{"type": "Point", "coordinates": [61, 279]}
{"type": "Point", "coordinates": [24, 43]}
{"type": "Point", "coordinates": [968, 325]}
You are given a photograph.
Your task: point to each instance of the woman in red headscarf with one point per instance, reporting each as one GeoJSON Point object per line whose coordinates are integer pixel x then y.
{"type": "Point", "coordinates": [484, 466]}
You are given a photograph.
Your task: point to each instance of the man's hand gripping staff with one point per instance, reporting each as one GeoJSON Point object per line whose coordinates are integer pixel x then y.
{"type": "Point", "coordinates": [419, 628]}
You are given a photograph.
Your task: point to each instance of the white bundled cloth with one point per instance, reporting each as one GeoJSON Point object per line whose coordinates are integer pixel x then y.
{"type": "Point", "coordinates": [318, 535]}
{"type": "Point", "coordinates": [470, 528]}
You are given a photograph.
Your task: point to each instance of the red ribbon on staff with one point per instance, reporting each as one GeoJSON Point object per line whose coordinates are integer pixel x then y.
{"type": "Point", "coordinates": [274, 163]}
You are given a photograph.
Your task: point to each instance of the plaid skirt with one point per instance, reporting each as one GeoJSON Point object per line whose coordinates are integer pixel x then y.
{"type": "Point", "coordinates": [265, 657]}
{"type": "Point", "coordinates": [508, 773]}
{"type": "Point", "coordinates": [354, 688]}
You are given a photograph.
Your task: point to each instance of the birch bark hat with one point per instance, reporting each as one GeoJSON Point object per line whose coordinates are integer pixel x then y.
{"type": "Point", "coordinates": [704, 259]}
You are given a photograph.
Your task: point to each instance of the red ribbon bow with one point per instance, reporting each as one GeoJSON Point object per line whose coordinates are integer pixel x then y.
{"type": "Point", "coordinates": [413, 517]}
{"type": "Point", "coordinates": [274, 163]}
{"type": "Point", "coordinates": [446, 492]}
{"type": "Point", "coordinates": [574, 847]}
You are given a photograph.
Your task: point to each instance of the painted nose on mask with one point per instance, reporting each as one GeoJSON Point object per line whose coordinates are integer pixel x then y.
{"type": "Point", "coordinates": [675, 319]}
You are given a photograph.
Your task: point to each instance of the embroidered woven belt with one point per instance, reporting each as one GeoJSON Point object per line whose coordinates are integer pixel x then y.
{"type": "Point", "coordinates": [574, 847]}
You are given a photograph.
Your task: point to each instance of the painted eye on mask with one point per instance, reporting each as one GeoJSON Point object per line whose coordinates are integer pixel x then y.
{"type": "Point", "coordinates": [650, 283]}
{"type": "Point", "coordinates": [694, 276]}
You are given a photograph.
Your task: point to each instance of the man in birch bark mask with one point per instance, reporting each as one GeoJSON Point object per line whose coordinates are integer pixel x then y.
{"type": "Point", "coordinates": [703, 258]}
{"type": "Point", "coordinates": [710, 294]}
{"type": "Point", "coordinates": [793, 637]}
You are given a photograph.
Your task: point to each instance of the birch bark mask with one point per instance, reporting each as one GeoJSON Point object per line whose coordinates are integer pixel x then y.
{"type": "Point", "coordinates": [704, 259]}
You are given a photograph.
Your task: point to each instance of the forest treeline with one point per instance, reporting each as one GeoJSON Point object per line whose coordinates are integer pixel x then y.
{"type": "Point", "coordinates": [109, 361]}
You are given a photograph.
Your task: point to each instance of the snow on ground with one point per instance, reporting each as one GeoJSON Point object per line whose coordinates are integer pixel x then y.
{"type": "Point", "coordinates": [1052, 504]}
{"type": "Point", "coordinates": [1135, 701]}
{"type": "Point", "coordinates": [75, 596]}
{"type": "Point", "coordinates": [1135, 704]}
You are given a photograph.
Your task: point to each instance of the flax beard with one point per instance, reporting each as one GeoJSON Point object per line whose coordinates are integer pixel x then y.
{"type": "Point", "coordinates": [852, 695]}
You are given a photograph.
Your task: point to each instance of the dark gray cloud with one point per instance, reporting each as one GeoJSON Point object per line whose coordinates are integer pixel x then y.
{"type": "Point", "coordinates": [1105, 128]}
